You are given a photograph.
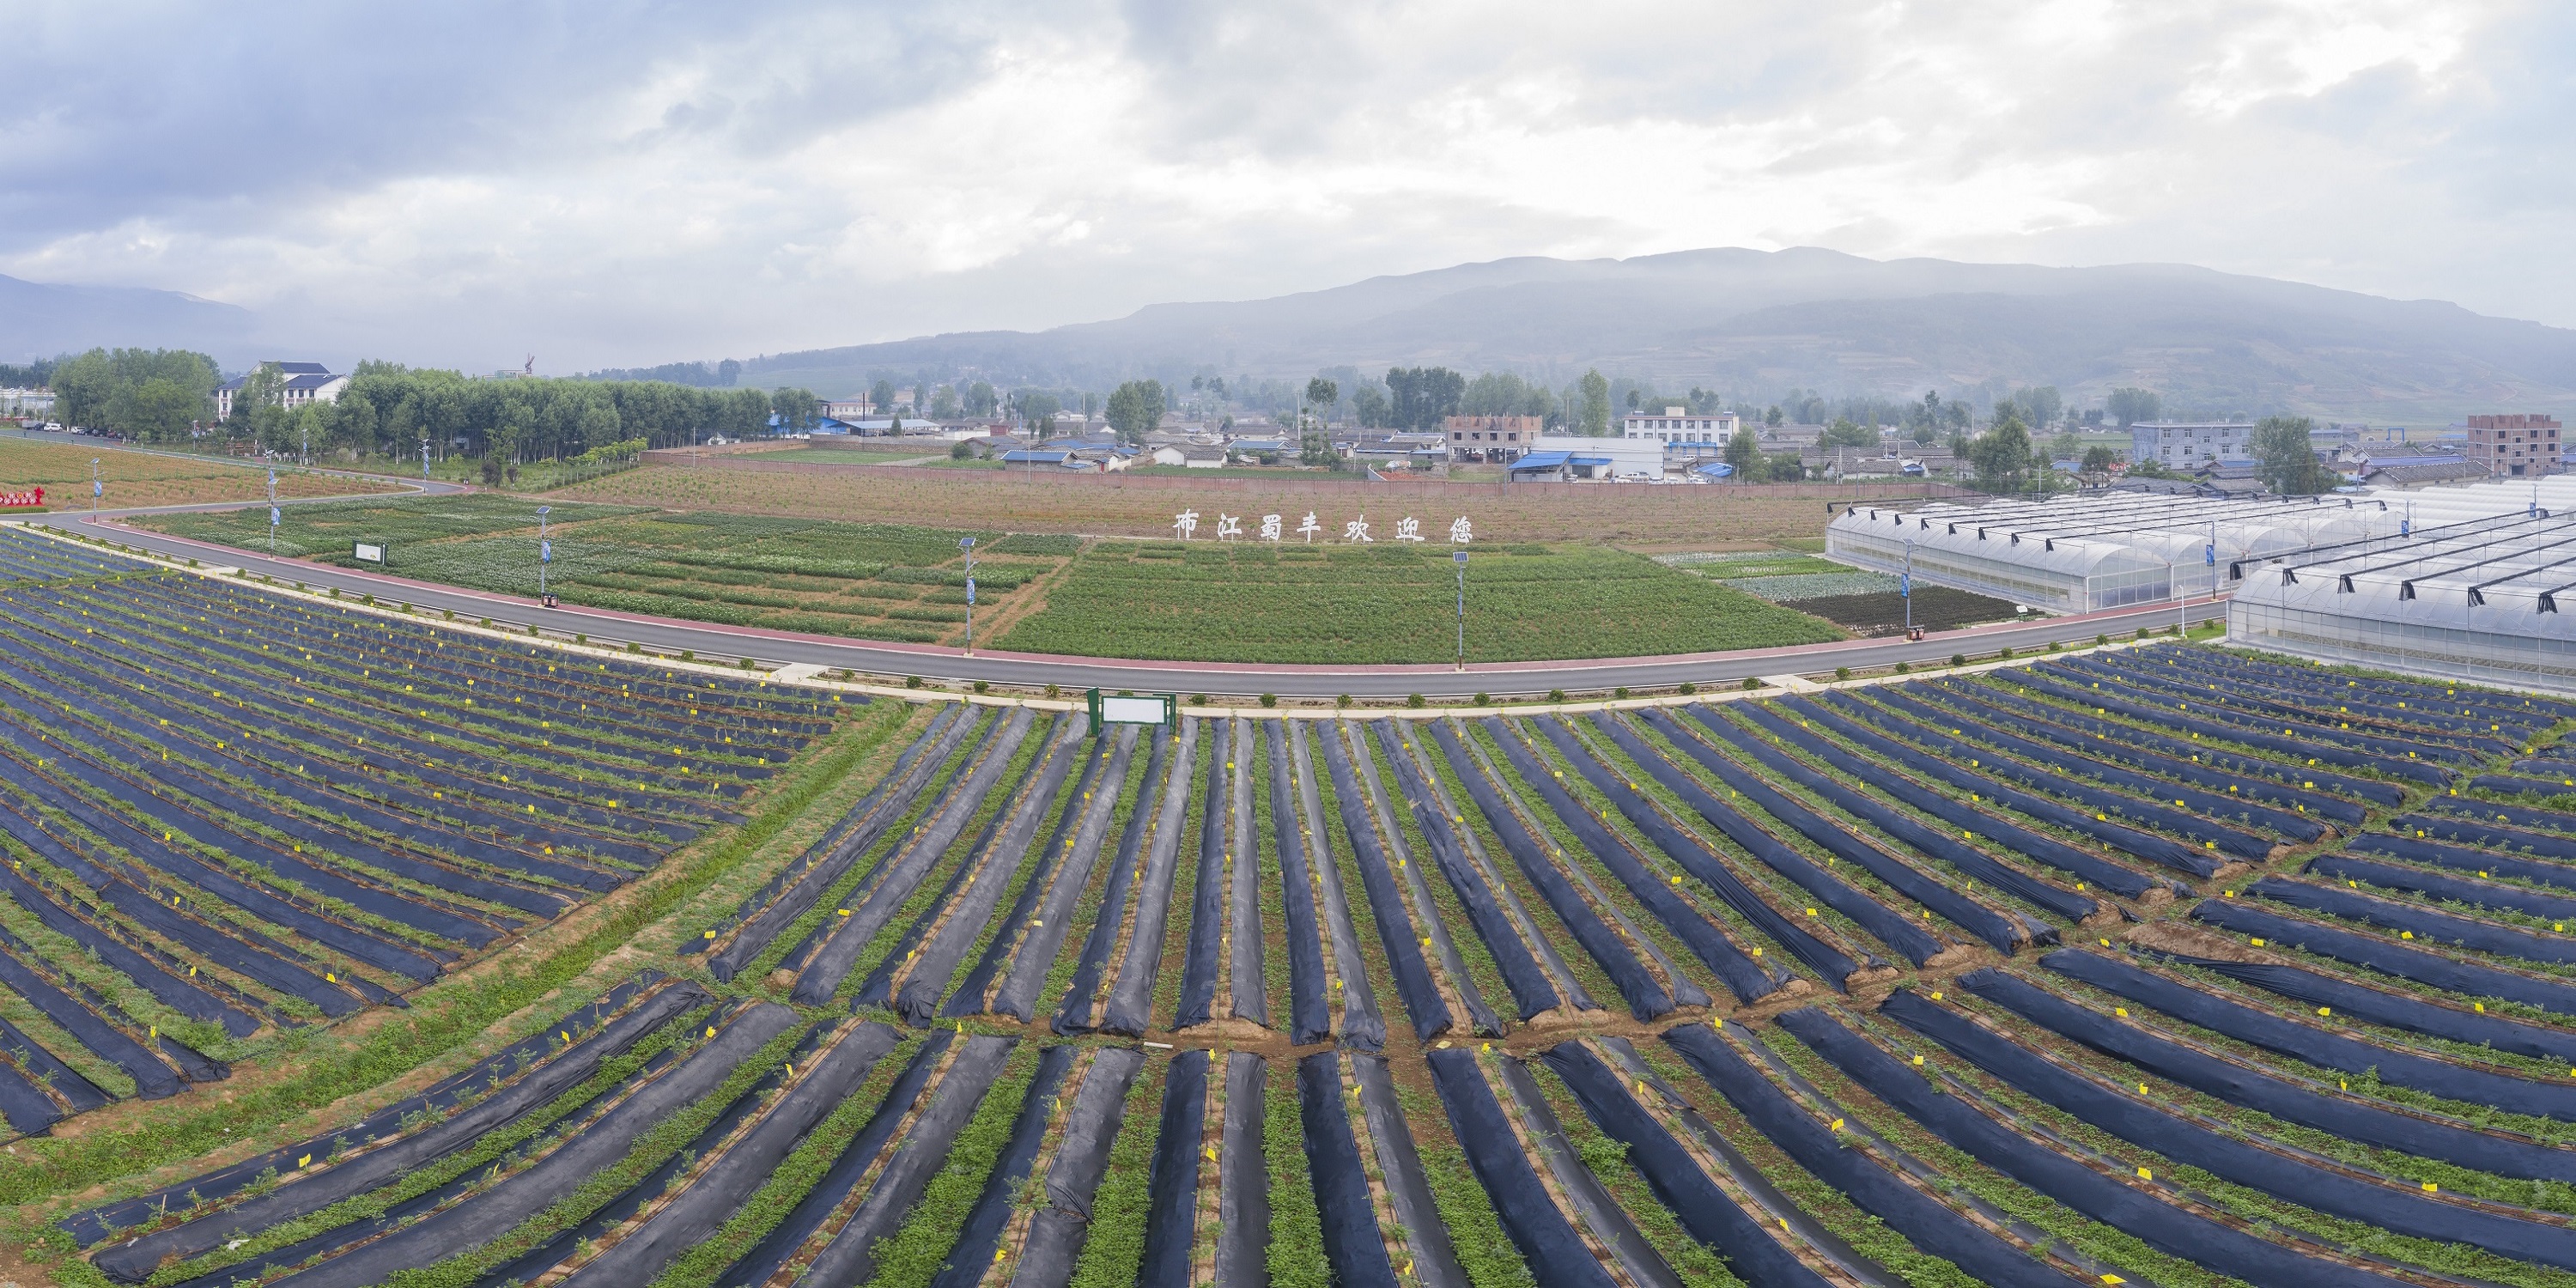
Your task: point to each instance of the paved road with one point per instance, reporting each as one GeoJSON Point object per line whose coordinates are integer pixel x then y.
{"type": "Point", "coordinates": [949, 665]}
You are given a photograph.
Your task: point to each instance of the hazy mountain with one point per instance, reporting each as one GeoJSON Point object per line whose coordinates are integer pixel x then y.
{"type": "Point", "coordinates": [1753, 323]}
{"type": "Point", "coordinates": [40, 321]}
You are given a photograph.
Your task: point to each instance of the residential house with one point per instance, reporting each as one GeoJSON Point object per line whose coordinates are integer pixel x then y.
{"type": "Point", "coordinates": [1490, 438]}
{"type": "Point", "coordinates": [299, 383]}
{"type": "Point", "coordinates": [2515, 446]}
{"type": "Point", "coordinates": [1679, 425]}
{"type": "Point", "coordinates": [2182, 445]}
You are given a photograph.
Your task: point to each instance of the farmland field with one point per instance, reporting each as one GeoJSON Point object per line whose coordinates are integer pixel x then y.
{"type": "Point", "coordinates": [864, 581]}
{"type": "Point", "coordinates": [2173, 966]}
{"type": "Point", "coordinates": [149, 479]}
{"type": "Point", "coordinates": [1202, 600]}
{"type": "Point", "coordinates": [1234, 603]}
{"type": "Point", "coordinates": [1143, 507]}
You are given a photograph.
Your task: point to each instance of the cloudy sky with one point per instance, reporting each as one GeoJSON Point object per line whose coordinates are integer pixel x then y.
{"type": "Point", "coordinates": [465, 183]}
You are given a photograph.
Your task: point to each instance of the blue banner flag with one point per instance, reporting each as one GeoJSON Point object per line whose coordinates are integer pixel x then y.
{"type": "Point", "coordinates": [970, 592]}
{"type": "Point", "coordinates": [272, 516]}
{"type": "Point", "coordinates": [1905, 584]}
{"type": "Point", "coordinates": [545, 552]}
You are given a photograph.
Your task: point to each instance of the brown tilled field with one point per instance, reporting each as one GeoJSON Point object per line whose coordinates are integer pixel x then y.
{"type": "Point", "coordinates": [145, 478]}
{"type": "Point", "coordinates": [1630, 515]}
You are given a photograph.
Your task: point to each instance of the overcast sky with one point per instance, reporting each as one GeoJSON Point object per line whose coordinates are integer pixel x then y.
{"type": "Point", "coordinates": [636, 183]}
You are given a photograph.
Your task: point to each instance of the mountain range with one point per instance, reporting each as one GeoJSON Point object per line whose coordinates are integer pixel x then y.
{"type": "Point", "coordinates": [1752, 324]}
{"type": "Point", "coordinates": [38, 320]}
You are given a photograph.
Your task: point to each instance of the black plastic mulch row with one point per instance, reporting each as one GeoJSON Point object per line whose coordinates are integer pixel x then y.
{"type": "Point", "coordinates": [2072, 754]}
{"type": "Point", "coordinates": [236, 948]}
{"type": "Point", "coordinates": [1310, 1017]}
{"type": "Point", "coordinates": [1708, 941]}
{"type": "Point", "coordinates": [1530, 987]}
{"type": "Point", "coordinates": [1548, 1243]}
{"type": "Point", "coordinates": [1647, 997]}
{"type": "Point", "coordinates": [282, 909]}
{"type": "Point", "coordinates": [185, 723]}
{"type": "Point", "coordinates": [2292, 720]}
{"type": "Point", "coordinates": [2090, 868]}
{"type": "Point", "coordinates": [430, 644]}
{"type": "Point", "coordinates": [2118, 1204]}
{"type": "Point", "coordinates": [2254, 1162]}
{"type": "Point", "coordinates": [2261, 735]}
{"type": "Point", "coordinates": [2003, 932]}
{"type": "Point", "coordinates": [201, 792]}
{"type": "Point", "coordinates": [2235, 777]}
{"type": "Point", "coordinates": [157, 973]}
{"type": "Point", "coordinates": [2313, 1045]}
{"type": "Point", "coordinates": [512, 718]}
{"type": "Point", "coordinates": [1073, 1015]}
{"type": "Point", "coordinates": [2378, 953]}
{"type": "Point", "coordinates": [1924, 1220]}
{"type": "Point", "coordinates": [1387, 901]}
{"type": "Point", "coordinates": [1910, 725]}
{"type": "Point", "coordinates": [2116, 736]}
{"type": "Point", "coordinates": [2522, 816]}
{"type": "Point", "coordinates": [2310, 680]}
{"type": "Point", "coordinates": [2355, 1118]}
{"type": "Point", "coordinates": [343, 734]}
{"type": "Point", "coordinates": [91, 1225]}
{"type": "Point", "coordinates": [2469, 859]}
{"type": "Point", "coordinates": [2129, 840]}
{"type": "Point", "coordinates": [610, 732]}
{"type": "Point", "coordinates": [2481, 894]}
{"type": "Point", "coordinates": [2418, 726]}
{"type": "Point", "coordinates": [1826, 959]}
{"type": "Point", "coordinates": [2418, 921]}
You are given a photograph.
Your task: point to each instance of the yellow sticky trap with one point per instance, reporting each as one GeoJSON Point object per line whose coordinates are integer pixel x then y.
{"type": "Point", "coordinates": [1918, 1060]}
{"type": "Point", "coordinates": [1936, 995]}
{"type": "Point", "coordinates": [302, 1161]}
{"type": "Point", "coordinates": [2145, 1175]}
{"type": "Point", "coordinates": [2431, 1188]}
{"type": "Point", "coordinates": [711, 934]}
{"type": "Point", "coordinates": [2121, 1011]}
{"type": "Point", "coordinates": [2258, 943]}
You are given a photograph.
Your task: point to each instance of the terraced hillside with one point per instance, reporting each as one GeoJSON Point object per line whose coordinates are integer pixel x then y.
{"type": "Point", "coordinates": [2165, 966]}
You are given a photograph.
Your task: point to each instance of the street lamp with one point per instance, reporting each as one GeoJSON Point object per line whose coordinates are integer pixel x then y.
{"type": "Point", "coordinates": [967, 544]}
{"type": "Point", "coordinates": [1459, 557]}
{"type": "Point", "coordinates": [545, 554]}
{"type": "Point", "coordinates": [1905, 587]}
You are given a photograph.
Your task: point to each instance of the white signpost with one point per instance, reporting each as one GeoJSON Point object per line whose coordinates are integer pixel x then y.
{"type": "Point", "coordinates": [1161, 709]}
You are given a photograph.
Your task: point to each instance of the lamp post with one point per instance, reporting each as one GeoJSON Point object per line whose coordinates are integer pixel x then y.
{"type": "Point", "coordinates": [1905, 587]}
{"type": "Point", "coordinates": [424, 460]}
{"type": "Point", "coordinates": [967, 544]}
{"type": "Point", "coordinates": [1459, 557]}
{"type": "Point", "coordinates": [545, 554]}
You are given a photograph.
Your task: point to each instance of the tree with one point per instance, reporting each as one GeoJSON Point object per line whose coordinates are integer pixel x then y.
{"type": "Point", "coordinates": [1136, 407]}
{"type": "Point", "coordinates": [138, 393]}
{"type": "Point", "coordinates": [2065, 447]}
{"type": "Point", "coordinates": [1323, 395]}
{"type": "Point", "coordinates": [2128, 406]}
{"type": "Point", "coordinates": [1843, 433]}
{"type": "Point", "coordinates": [943, 403]}
{"type": "Point", "coordinates": [1315, 447]}
{"type": "Point", "coordinates": [1420, 396]}
{"type": "Point", "coordinates": [2100, 460]}
{"type": "Point", "coordinates": [2289, 460]}
{"type": "Point", "coordinates": [1371, 407]}
{"type": "Point", "coordinates": [2041, 405]}
{"type": "Point", "coordinates": [1592, 418]}
{"type": "Point", "coordinates": [1772, 416]}
{"type": "Point", "coordinates": [796, 409]}
{"type": "Point", "coordinates": [881, 396]}
{"type": "Point", "coordinates": [2001, 455]}
{"type": "Point", "coordinates": [1744, 454]}
{"type": "Point", "coordinates": [980, 402]}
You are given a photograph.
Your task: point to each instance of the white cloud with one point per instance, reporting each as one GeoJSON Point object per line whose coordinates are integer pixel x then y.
{"type": "Point", "coordinates": [641, 184]}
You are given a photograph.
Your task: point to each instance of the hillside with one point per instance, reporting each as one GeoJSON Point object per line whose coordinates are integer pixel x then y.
{"type": "Point", "coordinates": [1753, 322]}
{"type": "Point", "coordinates": [38, 320]}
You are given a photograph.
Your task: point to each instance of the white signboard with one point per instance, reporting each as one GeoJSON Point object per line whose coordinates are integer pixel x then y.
{"type": "Point", "coordinates": [366, 553]}
{"type": "Point", "coordinates": [1131, 710]}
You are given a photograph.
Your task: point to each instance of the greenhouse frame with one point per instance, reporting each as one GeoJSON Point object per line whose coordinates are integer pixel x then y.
{"type": "Point", "coordinates": [2087, 553]}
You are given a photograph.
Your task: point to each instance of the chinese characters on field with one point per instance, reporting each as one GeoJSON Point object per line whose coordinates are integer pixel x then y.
{"type": "Point", "coordinates": [1354, 531]}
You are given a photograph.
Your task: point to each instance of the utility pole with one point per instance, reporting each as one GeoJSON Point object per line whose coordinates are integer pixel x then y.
{"type": "Point", "coordinates": [1905, 587]}
{"type": "Point", "coordinates": [967, 544]}
{"type": "Point", "coordinates": [1460, 558]}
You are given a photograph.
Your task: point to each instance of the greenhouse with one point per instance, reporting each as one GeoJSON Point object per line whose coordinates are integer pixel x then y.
{"type": "Point", "coordinates": [2485, 597]}
{"type": "Point", "coordinates": [2082, 554]}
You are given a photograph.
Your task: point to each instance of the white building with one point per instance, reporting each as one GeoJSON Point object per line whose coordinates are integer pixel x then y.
{"type": "Point", "coordinates": [2183, 445]}
{"type": "Point", "coordinates": [1626, 458]}
{"type": "Point", "coordinates": [26, 402]}
{"type": "Point", "coordinates": [298, 383]}
{"type": "Point", "coordinates": [1678, 425]}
